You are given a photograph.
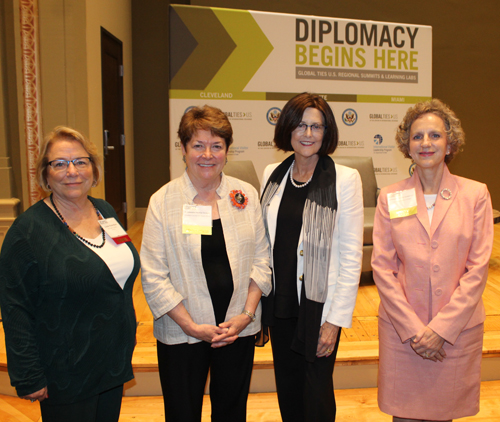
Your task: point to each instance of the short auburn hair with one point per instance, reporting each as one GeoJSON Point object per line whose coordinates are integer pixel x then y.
{"type": "Point", "coordinates": [207, 118]}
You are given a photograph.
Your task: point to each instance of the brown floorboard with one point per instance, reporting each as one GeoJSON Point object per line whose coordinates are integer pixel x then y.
{"type": "Point", "coordinates": [359, 343]}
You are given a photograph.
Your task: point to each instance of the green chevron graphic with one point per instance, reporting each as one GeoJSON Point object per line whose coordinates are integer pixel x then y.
{"type": "Point", "coordinates": [252, 49]}
{"type": "Point", "coordinates": [231, 48]}
{"type": "Point", "coordinates": [214, 45]}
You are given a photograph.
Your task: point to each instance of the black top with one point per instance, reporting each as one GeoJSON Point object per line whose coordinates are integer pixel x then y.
{"type": "Point", "coordinates": [217, 270]}
{"type": "Point", "coordinates": [288, 227]}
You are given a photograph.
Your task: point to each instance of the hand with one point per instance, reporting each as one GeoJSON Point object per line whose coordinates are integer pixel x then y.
{"type": "Point", "coordinates": [39, 395]}
{"type": "Point", "coordinates": [428, 344]}
{"type": "Point", "coordinates": [204, 332]}
{"type": "Point", "coordinates": [328, 334]}
{"type": "Point", "coordinates": [232, 329]}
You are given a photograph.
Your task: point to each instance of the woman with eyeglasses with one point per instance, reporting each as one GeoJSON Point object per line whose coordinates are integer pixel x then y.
{"type": "Point", "coordinates": [313, 213]}
{"type": "Point", "coordinates": [66, 290]}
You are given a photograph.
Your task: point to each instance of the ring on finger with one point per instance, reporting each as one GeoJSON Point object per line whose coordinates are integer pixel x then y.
{"type": "Point", "coordinates": [32, 400]}
{"type": "Point", "coordinates": [329, 351]}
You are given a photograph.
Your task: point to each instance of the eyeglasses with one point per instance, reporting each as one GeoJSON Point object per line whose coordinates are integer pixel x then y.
{"type": "Point", "coordinates": [80, 163]}
{"type": "Point", "coordinates": [315, 128]}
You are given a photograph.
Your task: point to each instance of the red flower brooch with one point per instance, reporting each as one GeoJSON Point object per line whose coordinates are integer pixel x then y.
{"type": "Point", "coordinates": [238, 199]}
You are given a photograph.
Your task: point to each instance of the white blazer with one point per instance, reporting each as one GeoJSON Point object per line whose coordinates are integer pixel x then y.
{"type": "Point", "coordinates": [347, 244]}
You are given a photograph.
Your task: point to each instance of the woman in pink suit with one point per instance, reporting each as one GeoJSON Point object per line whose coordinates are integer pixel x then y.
{"type": "Point", "coordinates": [433, 237]}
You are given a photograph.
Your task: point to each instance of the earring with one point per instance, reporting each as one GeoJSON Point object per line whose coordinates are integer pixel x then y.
{"type": "Point", "coordinates": [226, 161]}
{"type": "Point", "coordinates": [184, 158]}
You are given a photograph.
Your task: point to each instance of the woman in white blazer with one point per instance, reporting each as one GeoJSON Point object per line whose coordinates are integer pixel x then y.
{"type": "Point", "coordinates": [313, 214]}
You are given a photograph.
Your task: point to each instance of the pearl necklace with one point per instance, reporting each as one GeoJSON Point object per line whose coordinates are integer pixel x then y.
{"type": "Point", "coordinates": [293, 181]}
{"type": "Point", "coordinates": [99, 216]}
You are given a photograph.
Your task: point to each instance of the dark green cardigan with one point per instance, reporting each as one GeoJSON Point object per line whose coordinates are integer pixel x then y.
{"type": "Point", "coordinates": [68, 324]}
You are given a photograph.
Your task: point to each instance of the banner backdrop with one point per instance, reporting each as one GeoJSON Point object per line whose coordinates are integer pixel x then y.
{"type": "Point", "coordinates": [249, 64]}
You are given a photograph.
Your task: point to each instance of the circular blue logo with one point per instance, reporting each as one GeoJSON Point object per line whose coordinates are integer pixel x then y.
{"type": "Point", "coordinates": [273, 114]}
{"type": "Point", "coordinates": [349, 117]}
{"type": "Point", "coordinates": [378, 139]}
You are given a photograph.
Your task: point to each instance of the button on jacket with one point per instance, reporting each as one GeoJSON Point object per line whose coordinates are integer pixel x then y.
{"type": "Point", "coordinates": [434, 274]}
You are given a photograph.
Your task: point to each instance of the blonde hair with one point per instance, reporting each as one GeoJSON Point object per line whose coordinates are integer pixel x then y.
{"type": "Point", "coordinates": [63, 133]}
{"type": "Point", "coordinates": [454, 132]}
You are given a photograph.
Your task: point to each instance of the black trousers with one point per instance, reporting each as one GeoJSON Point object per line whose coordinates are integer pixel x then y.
{"type": "Point", "coordinates": [183, 374]}
{"type": "Point", "coordinates": [305, 389]}
{"type": "Point", "coordinates": [104, 407]}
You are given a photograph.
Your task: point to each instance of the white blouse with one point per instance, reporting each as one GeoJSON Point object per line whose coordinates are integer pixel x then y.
{"type": "Point", "coordinates": [430, 203]}
{"type": "Point", "coordinates": [118, 258]}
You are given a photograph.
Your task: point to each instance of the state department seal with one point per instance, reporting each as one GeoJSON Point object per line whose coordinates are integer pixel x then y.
{"type": "Point", "coordinates": [349, 117]}
{"type": "Point", "coordinates": [273, 114]}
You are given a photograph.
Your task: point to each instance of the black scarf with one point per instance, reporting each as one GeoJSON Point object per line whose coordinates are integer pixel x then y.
{"type": "Point", "coordinates": [318, 223]}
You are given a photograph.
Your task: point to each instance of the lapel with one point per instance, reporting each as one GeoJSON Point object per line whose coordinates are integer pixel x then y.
{"type": "Point", "coordinates": [442, 205]}
{"type": "Point", "coordinates": [448, 182]}
{"type": "Point", "coordinates": [422, 214]}
{"type": "Point", "coordinates": [273, 208]}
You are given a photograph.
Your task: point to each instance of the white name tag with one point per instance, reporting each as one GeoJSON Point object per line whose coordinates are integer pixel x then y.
{"type": "Point", "coordinates": [114, 230]}
{"type": "Point", "coordinates": [197, 219]}
{"type": "Point", "coordinates": [402, 203]}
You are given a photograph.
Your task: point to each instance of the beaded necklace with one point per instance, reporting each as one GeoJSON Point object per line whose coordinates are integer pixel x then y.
{"type": "Point", "coordinates": [99, 216]}
{"type": "Point", "coordinates": [293, 181]}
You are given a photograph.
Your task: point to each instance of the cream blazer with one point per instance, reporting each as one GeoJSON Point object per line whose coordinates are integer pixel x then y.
{"type": "Point", "coordinates": [434, 274]}
{"type": "Point", "coordinates": [347, 244]}
{"type": "Point", "coordinates": [171, 263]}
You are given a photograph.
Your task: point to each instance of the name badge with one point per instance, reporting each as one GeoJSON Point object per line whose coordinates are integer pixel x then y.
{"type": "Point", "coordinates": [114, 230]}
{"type": "Point", "coordinates": [402, 203]}
{"type": "Point", "coordinates": [197, 219]}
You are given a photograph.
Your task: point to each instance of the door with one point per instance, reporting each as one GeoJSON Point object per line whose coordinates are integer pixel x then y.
{"type": "Point", "coordinates": [113, 124]}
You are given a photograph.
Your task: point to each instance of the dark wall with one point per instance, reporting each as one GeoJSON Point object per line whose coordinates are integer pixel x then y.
{"type": "Point", "coordinates": [466, 63]}
{"type": "Point", "coordinates": [150, 81]}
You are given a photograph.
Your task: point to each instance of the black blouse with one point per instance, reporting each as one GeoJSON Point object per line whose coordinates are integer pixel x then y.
{"type": "Point", "coordinates": [217, 270]}
{"type": "Point", "coordinates": [289, 225]}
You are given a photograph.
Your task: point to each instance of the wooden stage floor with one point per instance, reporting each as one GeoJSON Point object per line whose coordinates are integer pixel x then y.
{"type": "Point", "coordinates": [356, 405]}
{"type": "Point", "coordinates": [359, 345]}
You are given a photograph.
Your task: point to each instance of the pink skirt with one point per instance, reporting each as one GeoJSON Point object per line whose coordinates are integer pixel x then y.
{"type": "Point", "coordinates": [413, 388]}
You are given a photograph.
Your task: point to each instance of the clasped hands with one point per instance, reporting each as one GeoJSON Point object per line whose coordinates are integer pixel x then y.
{"type": "Point", "coordinates": [428, 344]}
{"type": "Point", "coordinates": [222, 335]}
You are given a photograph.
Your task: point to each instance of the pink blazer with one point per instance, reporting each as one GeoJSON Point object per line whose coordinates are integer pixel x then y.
{"type": "Point", "coordinates": [434, 274]}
